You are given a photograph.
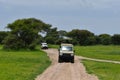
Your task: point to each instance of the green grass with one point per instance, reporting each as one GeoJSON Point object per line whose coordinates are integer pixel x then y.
{"type": "Point", "coordinates": [105, 71]}
{"type": "Point", "coordinates": [99, 52]}
{"type": "Point", "coordinates": [22, 65]}
{"type": "Point", "coordinates": [53, 46]}
{"type": "Point", "coordinates": [1, 47]}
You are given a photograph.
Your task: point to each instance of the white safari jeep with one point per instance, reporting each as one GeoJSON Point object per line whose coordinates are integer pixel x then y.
{"type": "Point", "coordinates": [66, 52]}
{"type": "Point", "coordinates": [44, 46]}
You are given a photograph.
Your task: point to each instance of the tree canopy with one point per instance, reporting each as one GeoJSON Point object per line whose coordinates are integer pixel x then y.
{"type": "Point", "coordinates": [116, 39]}
{"type": "Point", "coordinates": [80, 35]}
{"type": "Point", "coordinates": [24, 33]}
{"type": "Point", "coordinates": [3, 34]}
{"type": "Point", "coordinates": [105, 39]}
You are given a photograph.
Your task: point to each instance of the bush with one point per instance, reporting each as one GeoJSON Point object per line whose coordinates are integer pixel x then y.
{"type": "Point", "coordinates": [11, 42]}
{"type": "Point", "coordinates": [116, 39]}
{"type": "Point", "coordinates": [3, 34]}
{"type": "Point", "coordinates": [105, 39]}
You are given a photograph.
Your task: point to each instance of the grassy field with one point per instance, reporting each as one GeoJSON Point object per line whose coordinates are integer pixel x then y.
{"type": "Point", "coordinates": [22, 65]}
{"type": "Point", "coordinates": [99, 52]}
{"type": "Point", "coordinates": [105, 71]}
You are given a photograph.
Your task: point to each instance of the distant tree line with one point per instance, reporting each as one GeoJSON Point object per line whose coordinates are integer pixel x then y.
{"type": "Point", "coordinates": [85, 37]}
{"type": "Point", "coordinates": [24, 34]}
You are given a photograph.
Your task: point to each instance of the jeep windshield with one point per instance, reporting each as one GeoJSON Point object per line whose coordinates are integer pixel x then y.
{"type": "Point", "coordinates": [66, 48]}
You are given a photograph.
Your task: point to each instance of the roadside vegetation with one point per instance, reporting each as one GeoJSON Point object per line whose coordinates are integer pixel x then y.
{"type": "Point", "coordinates": [22, 65]}
{"type": "Point", "coordinates": [105, 71]}
{"type": "Point", "coordinates": [99, 52]}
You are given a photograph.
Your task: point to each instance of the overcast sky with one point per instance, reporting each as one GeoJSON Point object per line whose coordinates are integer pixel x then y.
{"type": "Point", "coordinates": [97, 16]}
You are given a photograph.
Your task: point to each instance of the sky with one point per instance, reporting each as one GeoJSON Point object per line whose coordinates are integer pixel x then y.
{"type": "Point", "coordinates": [97, 16]}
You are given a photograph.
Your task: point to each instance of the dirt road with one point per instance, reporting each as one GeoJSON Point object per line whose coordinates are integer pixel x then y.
{"type": "Point", "coordinates": [65, 70]}
{"type": "Point", "coordinates": [99, 60]}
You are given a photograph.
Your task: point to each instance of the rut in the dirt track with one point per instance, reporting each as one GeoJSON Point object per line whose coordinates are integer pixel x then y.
{"type": "Point", "coordinates": [65, 70]}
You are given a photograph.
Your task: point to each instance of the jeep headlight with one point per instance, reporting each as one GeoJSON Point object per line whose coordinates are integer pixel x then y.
{"type": "Point", "coordinates": [72, 54]}
{"type": "Point", "coordinates": [61, 54]}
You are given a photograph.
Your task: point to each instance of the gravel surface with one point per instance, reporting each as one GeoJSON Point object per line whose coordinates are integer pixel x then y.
{"type": "Point", "coordinates": [65, 70]}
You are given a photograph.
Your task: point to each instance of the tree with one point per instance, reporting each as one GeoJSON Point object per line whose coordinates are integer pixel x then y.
{"type": "Point", "coordinates": [105, 39]}
{"type": "Point", "coordinates": [97, 39]}
{"type": "Point", "coordinates": [52, 36]}
{"type": "Point", "coordinates": [24, 33]}
{"type": "Point", "coordinates": [91, 40]}
{"type": "Point", "coordinates": [62, 33]}
{"type": "Point", "coordinates": [80, 35]}
{"type": "Point", "coordinates": [116, 39]}
{"type": "Point", "coordinates": [3, 34]}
